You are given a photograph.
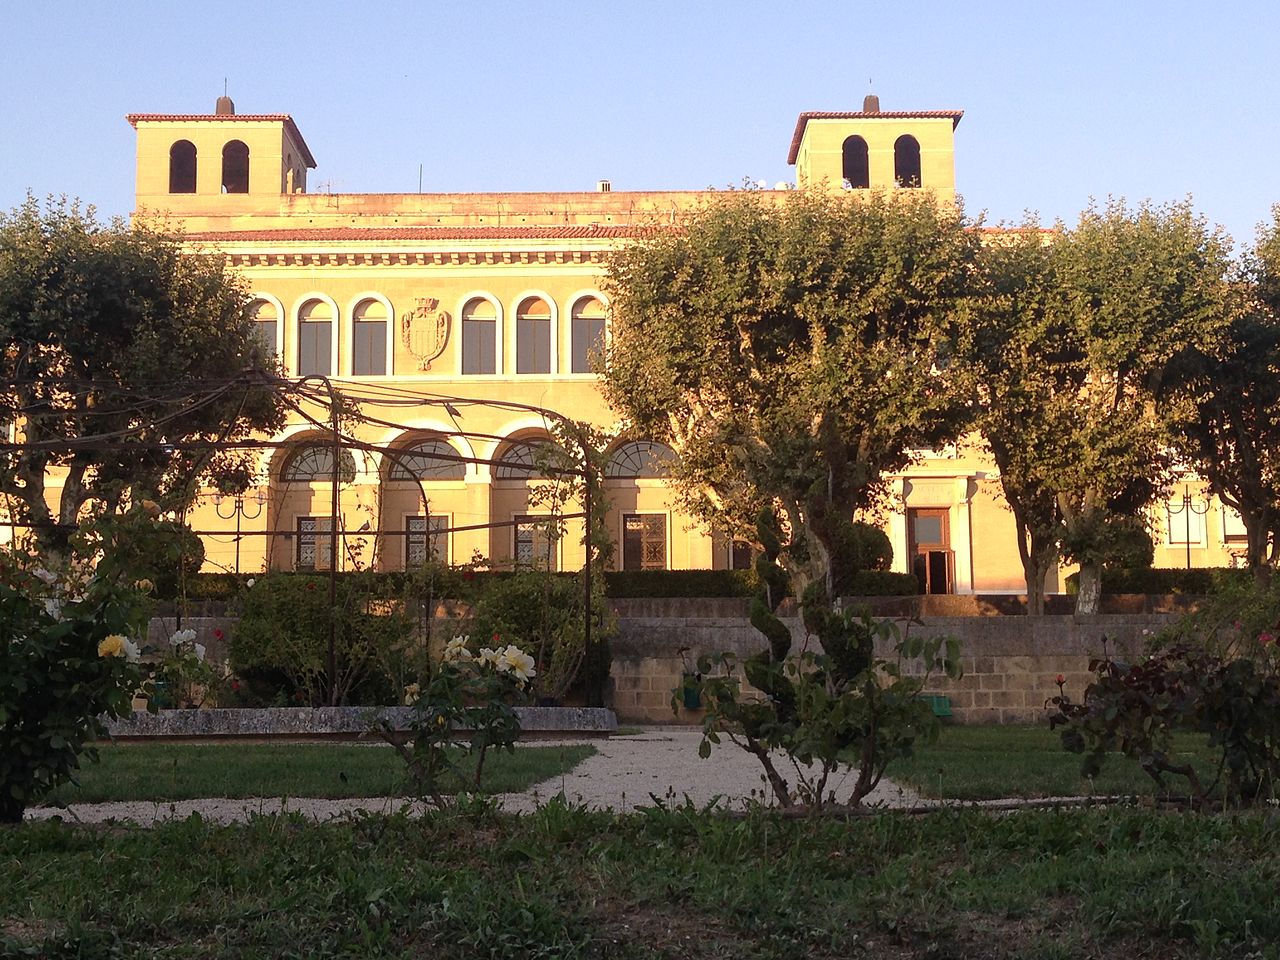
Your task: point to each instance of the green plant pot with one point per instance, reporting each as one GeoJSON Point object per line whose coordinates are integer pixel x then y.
{"type": "Point", "coordinates": [161, 695]}
{"type": "Point", "coordinates": [691, 695]}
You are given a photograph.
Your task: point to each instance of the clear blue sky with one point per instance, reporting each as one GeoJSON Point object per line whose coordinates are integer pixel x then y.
{"type": "Point", "coordinates": [1063, 100]}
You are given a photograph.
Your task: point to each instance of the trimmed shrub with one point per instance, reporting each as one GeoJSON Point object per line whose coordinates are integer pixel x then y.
{"type": "Point", "coordinates": [882, 583]}
{"type": "Point", "coordinates": [1167, 580]}
{"type": "Point", "coordinates": [681, 583]}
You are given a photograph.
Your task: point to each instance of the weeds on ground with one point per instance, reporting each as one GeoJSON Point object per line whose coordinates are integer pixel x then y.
{"type": "Point", "coordinates": [668, 882]}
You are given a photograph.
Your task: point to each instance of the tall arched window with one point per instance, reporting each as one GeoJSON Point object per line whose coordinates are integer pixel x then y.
{"type": "Point", "coordinates": [479, 337]}
{"type": "Point", "coordinates": [856, 167]}
{"type": "Point", "coordinates": [906, 161]}
{"type": "Point", "coordinates": [235, 167]}
{"type": "Point", "coordinates": [640, 459]}
{"type": "Point", "coordinates": [315, 339]}
{"type": "Point", "coordinates": [427, 460]}
{"type": "Point", "coordinates": [533, 336]}
{"type": "Point", "coordinates": [313, 463]}
{"type": "Point", "coordinates": [369, 339]}
{"type": "Point", "coordinates": [265, 323]}
{"type": "Point", "coordinates": [586, 332]}
{"type": "Point", "coordinates": [182, 167]}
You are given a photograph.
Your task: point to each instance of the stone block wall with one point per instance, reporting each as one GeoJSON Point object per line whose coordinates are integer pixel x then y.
{"type": "Point", "coordinates": [1010, 662]}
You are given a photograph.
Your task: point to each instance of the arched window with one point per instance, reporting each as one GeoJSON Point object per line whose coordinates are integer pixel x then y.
{"type": "Point", "coordinates": [533, 336]}
{"type": "Point", "coordinates": [641, 459]}
{"type": "Point", "coordinates": [518, 459]}
{"type": "Point", "coordinates": [265, 320]}
{"type": "Point", "coordinates": [313, 463]}
{"type": "Point", "coordinates": [315, 339]}
{"type": "Point", "coordinates": [479, 337]}
{"type": "Point", "coordinates": [857, 169]}
{"type": "Point", "coordinates": [235, 167]}
{"type": "Point", "coordinates": [369, 339]}
{"type": "Point", "coordinates": [182, 167]}
{"type": "Point", "coordinates": [426, 460]}
{"type": "Point", "coordinates": [906, 161]}
{"type": "Point", "coordinates": [586, 332]}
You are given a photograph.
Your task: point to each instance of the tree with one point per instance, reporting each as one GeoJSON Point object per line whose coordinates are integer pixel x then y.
{"type": "Point", "coordinates": [792, 350]}
{"type": "Point", "coordinates": [1224, 400]}
{"type": "Point", "coordinates": [121, 350]}
{"type": "Point", "coordinates": [1088, 334]}
{"type": "Point", "coordinates": [1012, 381]}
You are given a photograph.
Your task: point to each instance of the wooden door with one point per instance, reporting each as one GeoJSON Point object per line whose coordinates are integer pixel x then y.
{"type": "Point", "coordinates": [929, 548]}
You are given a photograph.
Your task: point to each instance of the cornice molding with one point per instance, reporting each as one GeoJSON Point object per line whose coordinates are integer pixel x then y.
{"type": "Point", "coordinates": [405, 258]}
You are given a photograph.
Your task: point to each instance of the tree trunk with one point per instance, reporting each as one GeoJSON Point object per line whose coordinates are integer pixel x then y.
{"type": "Point", "coordinates": [1089, 599]}
{"type": "Point", "coordinates": [1256, 558]}
{"type": "Point", "coordinates": [11, 809]}
{"type": "Point", "coordinates": [1033, 571]}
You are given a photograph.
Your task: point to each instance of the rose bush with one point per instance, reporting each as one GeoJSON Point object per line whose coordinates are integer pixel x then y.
{"type": "Point", "coordinates": [462, 707]}
{"type": "Point", "coordinates": [1226, 689]}
{"type": "Point", "coordinates": [68, 660]}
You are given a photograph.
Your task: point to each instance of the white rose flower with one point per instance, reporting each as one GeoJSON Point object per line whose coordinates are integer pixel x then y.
{"type": "Point", "coordinates": [516, 661]}
{"type": "Point", "coordinates": [456, 649]}
{"type": "Point", "coordinates": [490, 657]}
{"type": "Point", "coordinates": [132, 652]}
{"type": "Point", "coordinates": [200, 652]}
{"type": "Point", "coordinates": [250, 582]}
{"type": "Point", "coordinates": [182, 636]}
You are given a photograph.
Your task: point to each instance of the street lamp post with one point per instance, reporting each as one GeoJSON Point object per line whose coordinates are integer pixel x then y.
{"type": "Point", "coordinates": [239, 511]}
{"type": "Point", "coordinates": [1187, 508]}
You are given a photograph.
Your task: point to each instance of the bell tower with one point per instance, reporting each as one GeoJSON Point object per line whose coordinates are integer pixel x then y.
{"type": "Point", "coordinates": [199, 166]}
{"type": "Point", "coordinates": [874, 149]}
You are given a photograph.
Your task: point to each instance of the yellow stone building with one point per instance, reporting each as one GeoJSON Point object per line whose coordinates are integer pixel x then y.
{"type": "Point", "coordinates": [403, 299]}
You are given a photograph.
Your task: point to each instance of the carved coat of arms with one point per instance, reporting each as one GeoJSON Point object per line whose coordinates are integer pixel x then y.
{"type": "Point", "coordinates": [425, 331]}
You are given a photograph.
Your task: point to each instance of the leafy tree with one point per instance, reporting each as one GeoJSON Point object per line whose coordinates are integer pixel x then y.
{"type": "Point", "coordinates": [1224, 399]}
{"type": "Point", "coordinates": [119, 348]}
{"type": "Point", "coordinates": [792, 350]}
{"type": "Point", "coordinates": [1077, 342]}
{"type": "Point", "coordinates": [1011, 327]}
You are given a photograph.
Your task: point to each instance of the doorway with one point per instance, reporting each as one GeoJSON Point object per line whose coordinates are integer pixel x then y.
{"type": "Point", "coordinates": [929, 548]}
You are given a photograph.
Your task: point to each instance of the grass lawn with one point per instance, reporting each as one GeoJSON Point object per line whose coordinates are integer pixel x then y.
{"type": "Point", "coordinates": [989, 762]}
{"type": "Point", "coordinates": [163, 771]}
{"type": "Point", "coordinates": [564, 883]}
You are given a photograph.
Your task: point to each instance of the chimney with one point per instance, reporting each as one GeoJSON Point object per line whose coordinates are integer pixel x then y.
{"type": "Point", "coordinates": [224, 107]}
{"type": "Point", "coordinates": [603, 186]}
{"type": "Point", "coordinates": [870, 103]}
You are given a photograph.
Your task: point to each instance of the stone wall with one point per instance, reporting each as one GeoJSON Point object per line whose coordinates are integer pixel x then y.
{"type": "Point", "coordinates": [1010, 662]}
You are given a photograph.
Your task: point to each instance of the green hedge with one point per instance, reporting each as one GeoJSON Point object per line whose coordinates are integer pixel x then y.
{"type": "Point", "coordinates": [1167, 580]}
{"type": "Point", "coordinates": [681, 583]}
{"type": "Point", "coordinates": [618, 583]}
{"type": "Point", "coordinates": [883, 583]}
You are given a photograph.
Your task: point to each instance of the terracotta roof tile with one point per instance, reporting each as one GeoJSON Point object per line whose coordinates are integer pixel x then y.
{"type": "Point", "coordinates": [954, 116]}
{"type": "Point", "coordinates": [136, 118]}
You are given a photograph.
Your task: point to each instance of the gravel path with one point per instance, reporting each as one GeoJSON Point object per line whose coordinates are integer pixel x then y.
{"type": "Point", "coordinates": [628, 772]}
{"type": "Point", "coordinates": [624, 773]}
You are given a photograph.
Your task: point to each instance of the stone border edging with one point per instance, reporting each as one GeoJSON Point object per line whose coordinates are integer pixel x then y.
{"type": "Point", "coordinates": [335, 722]}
